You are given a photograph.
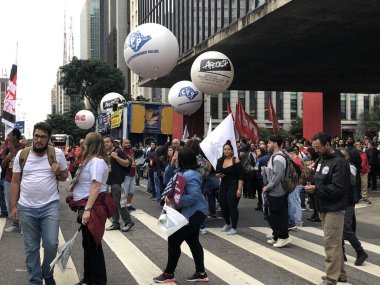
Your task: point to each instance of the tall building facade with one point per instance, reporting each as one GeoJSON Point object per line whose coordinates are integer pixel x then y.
{"type": "Point", "coordinates": [90, 38]}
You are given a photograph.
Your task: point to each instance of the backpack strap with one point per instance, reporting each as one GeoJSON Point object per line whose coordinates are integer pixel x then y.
{"type": "Point", "coordinates": [23, 157]}
{"type": "Point", "coordinates": [51, 155]}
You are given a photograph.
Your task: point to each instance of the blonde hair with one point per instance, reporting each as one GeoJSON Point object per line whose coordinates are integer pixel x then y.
{"type": "Point", "coordinates": [94, 147]}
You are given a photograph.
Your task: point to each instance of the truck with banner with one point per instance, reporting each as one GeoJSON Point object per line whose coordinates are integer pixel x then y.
{"type": "Point", "coordinates": [139, 122]}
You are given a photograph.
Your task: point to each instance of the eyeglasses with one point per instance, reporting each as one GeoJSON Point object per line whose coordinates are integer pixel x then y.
{"type": "Point", "coordinates": [44, 138]}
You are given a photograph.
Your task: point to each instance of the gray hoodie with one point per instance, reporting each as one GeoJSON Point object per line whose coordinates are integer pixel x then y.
{"type": "Point", "coordinates": [275, 172]}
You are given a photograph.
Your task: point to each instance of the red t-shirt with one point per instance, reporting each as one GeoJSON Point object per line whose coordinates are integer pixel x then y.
{"type": "Point", "coordinates": [8, 175]}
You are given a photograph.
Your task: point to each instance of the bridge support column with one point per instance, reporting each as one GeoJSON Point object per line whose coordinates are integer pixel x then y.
{"type": "Point", "coordinates": [321, 113]}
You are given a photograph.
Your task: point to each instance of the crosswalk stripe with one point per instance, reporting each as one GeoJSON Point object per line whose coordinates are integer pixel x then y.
{"type": "Point", "coordinates": [294, 266]}
{"type": "Point", "coordinates": [140, 267]}
{"type": "Point", "coordinates": [367, 246]}
{"type": "Point", "coordinates": [216, 265]}
{"type": "Point", "coordinates": [367, 267]}
{"type": "Point", "coordinates": [2, 225]}
{"type": "Point", "coordinates": [70, 275]}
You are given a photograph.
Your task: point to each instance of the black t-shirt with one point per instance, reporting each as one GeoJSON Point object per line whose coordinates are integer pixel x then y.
{"type": "Point", "coordinates": [117, 173]}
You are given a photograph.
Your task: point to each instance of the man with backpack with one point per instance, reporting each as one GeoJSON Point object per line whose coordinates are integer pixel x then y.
{"type": "Point", "coordinates": [330, 185]}
{"type": "Point", "coordinates": [276, 195]}
{"type": "Point", "coordinates": [35, 201]}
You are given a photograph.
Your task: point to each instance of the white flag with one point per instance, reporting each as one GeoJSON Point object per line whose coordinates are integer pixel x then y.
{"type": "Point", "coordinates": [212, 145]}
{"type": "Point", "coordinates": [209, 127]}
{"type": "Point", "coordinates": [185, 134]}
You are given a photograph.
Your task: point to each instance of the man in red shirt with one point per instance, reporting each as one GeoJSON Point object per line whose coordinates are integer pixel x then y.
{"type": "Point", "coordinates": [10, 150]}
{"type": "Point", "coordinates": [130, 172]}
{"type": "Point", "coordinates": [363, 172]}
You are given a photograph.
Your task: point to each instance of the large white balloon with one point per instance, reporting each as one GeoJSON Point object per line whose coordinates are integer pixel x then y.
{"type": "Point", "coordinates": [84, 119]}
{"type": "Point", "coordinates": [151, 50]}
{"type": "Point", "coordinates": [212, 72]}
{"type": "Point", "coordinates": [185, 97]}
{"type": "Point", "coordinates": [107, 102]}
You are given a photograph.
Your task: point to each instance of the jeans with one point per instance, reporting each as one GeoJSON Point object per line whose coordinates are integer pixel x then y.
{"type": "Point", "coordinates": [7, 192]}
{"type": "Point", "coordinates": [40, 223]}
{"type": "Point", "coordinates": [294, 205]}
{"type": "Point", "coordinates": [157, 185]}
{"type": "Point", "coordinates": [212, 194]}
{"type": "Point", "coordinates": [120, 211]}
{"type": "Point", "coordinates": [3, 204]}
{"type": "Point", "coordinates": [150, 187]}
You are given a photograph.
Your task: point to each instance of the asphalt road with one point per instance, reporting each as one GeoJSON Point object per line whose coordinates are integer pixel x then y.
{"type": "Point", "coordinates": [137, 256]}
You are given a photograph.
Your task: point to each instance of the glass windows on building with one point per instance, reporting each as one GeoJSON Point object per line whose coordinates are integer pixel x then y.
{"type": "Point", "coordinates": [226, 98]}
{"type": "Point", "coordinates": [241, 95]}
{"type": "Point", "coordinates": [266, 99]}
{"type": "Point", "coordinates": [353, 103]}
{"type": "Point", "coordinates": [279, 105]}
{"type": "Point", "coordinates": [253, 104]}
{"type": "Point", "coordinates": [343, 106]}
{"type": "Point", "coordinates": [366, 102]}
{"type": "Point", "coordinates": [293, 105]}
{"type": "Point", "coordinates": [214, 106]}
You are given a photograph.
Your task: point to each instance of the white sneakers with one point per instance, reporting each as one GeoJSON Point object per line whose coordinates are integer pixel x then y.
{"type": "Point", "coordinates": [282, 242]}
{"type": "Point", "coordinates": [232, 231]}
{"type": "Point", "coordinates": [203, 231]}
{"type": "Point", "coordinates": [226, 228]}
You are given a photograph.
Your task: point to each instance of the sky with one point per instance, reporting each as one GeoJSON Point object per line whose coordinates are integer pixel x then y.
{"type": "Point", "coordinates": [38, 27]}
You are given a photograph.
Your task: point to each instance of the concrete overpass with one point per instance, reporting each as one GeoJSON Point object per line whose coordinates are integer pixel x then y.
{"type": "Point", "coordinates": [297, 45]}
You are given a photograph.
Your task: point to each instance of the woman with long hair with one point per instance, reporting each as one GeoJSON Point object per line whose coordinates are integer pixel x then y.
{"type": "Point", "coordinates": [88, 196]}
{"type": "Point", "coordinates": [229, 170]}
{"type": "Point", "coordinates": [194, 207]}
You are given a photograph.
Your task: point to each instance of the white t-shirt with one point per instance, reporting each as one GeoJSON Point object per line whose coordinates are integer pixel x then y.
{"type": "Point", "coordinates": [94, 170]}
{"type": "Point", "coordinates": [38, 182]}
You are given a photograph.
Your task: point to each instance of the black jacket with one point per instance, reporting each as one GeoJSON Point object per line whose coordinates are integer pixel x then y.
{"type": "Point", "coordinates": [332, 181]}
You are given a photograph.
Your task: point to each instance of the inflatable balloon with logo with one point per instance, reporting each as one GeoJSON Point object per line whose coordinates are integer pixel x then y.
{"type": "Point", "coordinates": [185, 98]}
{"type": "Point", "coordinates": [107, 102]}
{"type": "Point", "coordinates": [212, 72]}
{"type": "Point", "coordinates": [84, 119]}
{"type": "Point", "coordinates": [151, 50]}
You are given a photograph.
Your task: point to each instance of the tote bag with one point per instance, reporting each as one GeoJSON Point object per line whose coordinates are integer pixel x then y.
{"type": "Point", "coordinates": [171, 220]}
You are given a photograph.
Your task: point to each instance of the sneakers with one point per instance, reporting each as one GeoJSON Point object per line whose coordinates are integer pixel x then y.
{"type": "Point", "coordinates": [12, 229]}
{"type": "Point", "coordinates": [226, 228]}
{"type": "Point", "coordinates": [271, 241]}
{"type": "Point", "coordinates": [113, 228]}
{"type": "Point", "coordinates": [131, 208]}
{"type": "Point", "coordinates": [128, 227]}
{"type": "Point", "coordinates": [365, 200]}
{"type": "Point", "coordinates": [232, 231]}
{"type": "Point", "coordinates": [203, 231]}
{"type": "Point", "coordinates": [326, 281]}
{"type": "Point", "coordinates": [342, 278]}
{"type": "Point", "coordinates": [282, 242]}
{"type": "Point", "coordinates": [3, 215]}
{"type": "Point", "coordinates": [198, 277]}
{"type": "Point", "coordinates": [360, 258]}
{"type": "Point", "coordinates": [294, 227]}
{"type": "Point", "coordinates": [164, 278]}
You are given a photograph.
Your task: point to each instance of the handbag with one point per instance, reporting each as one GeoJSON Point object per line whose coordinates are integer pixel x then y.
{"type": "Point", "coordinates": [171, 220]}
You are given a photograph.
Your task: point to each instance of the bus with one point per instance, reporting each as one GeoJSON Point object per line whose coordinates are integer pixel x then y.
{"type": "Point", "coordinates": [62, 141]}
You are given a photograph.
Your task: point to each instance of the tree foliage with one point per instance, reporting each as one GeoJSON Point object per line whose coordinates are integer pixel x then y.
{"type": "Point", "coordinates": [91, 79]}
{"type": "Point", "coordinates": [296, 129]}
{"type": "Point", "coordinates": [65, 124]}
{"type": "Point", "coordinates": [369, 121]}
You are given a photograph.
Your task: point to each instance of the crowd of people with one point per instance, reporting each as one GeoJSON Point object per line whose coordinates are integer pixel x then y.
{"type": "Point", "coordinates": [333, 176]}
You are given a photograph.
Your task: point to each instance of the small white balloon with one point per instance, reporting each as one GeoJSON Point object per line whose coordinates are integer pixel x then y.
{"type": "Point", "coordinates": [84, 119]}
{"type": "Point", "coordinates": [107, 102]}
{"type": "Point", "coordinates": [151, 50]}
{"type": "Point", "coordinates": [212, 72]}
{"type": "Point", "coordinates": [185, 98]}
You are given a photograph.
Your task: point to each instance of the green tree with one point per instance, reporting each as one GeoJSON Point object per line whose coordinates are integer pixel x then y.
{"type": "Point", "coordinates": [91, 79]}
{"type": "Point", "coordinates": [65, 124]}
{"type": "Point", "coordinates": [369, 121]}
{"type": "Point", "coordinates": [296, 129]}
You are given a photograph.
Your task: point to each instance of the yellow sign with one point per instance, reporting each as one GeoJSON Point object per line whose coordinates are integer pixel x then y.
{"type": "Point", "coordinates": [116, 119]}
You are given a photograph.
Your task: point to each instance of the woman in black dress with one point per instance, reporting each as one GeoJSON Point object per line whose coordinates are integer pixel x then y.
{"type": "Point", "coordinates": [229, 170]}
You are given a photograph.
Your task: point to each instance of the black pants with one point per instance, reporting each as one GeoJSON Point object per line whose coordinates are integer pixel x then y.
{"type": "Point", "coordinates": [350, 228]}
{"type": "Point", "coordinates": [259, 189]}
{"type": "Point", "coordinates": [211, 195]}
{"type": "Point", "coordinates": [250, 181]}
{"type": "Point", "coordinates": [190, 234]}
{"type": "Point", "coordinates": [278, 216]}
{"type": "Point", "coordinates": [372, 177]}
{"type": "Point", "coordinates": [229, 205]}
{"type": "Point", "coordinates": [94, 264]}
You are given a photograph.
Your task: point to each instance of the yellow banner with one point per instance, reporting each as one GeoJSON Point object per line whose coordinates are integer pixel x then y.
{"type": "Point", "coordinates": [116, 119]}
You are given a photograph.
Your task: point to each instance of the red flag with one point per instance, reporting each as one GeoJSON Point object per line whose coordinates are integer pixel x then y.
{"type": "Point", "coordinates": [228, 108]}
{"type": "Point", "coordinates": [9, 109]}
{"type": "Point", "coordinates": [245, 125]}
{"type": "Point", "coordinates": [272, 118]}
